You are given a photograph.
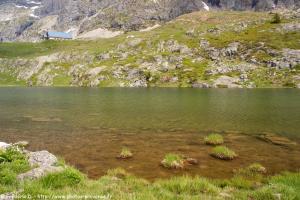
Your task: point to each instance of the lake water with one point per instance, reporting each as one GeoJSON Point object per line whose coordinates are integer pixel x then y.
{"type": "Point", "coordinates": [88, 127]}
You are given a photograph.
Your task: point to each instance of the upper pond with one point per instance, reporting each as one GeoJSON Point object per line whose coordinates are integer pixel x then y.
{"type": "Point", "coordinates": [88, 127]}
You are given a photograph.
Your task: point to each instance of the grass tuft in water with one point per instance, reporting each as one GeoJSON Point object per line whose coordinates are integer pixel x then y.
{"type": "Point", "coordinates": [173, 161]}
{"type": "Point", "coordinates": [214, 139]}
{"type": "Point", "coordinates": [125, 154]}
{"type": "Point", "coordinates": [223, 153]}
{"type": "Point", "coordinates": [257, 168]}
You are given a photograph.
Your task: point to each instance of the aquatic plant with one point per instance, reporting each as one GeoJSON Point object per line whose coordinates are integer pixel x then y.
{"type": "Point", "coordinates": [173, 161]}
{"type": "Point", "coordinates": [125, 153]}
{"type": "Point", "coordinates": [256, 168]}
{"type": "Point", "coordinates": [214, 139]}
{"type": "Point", "coordinates": [223, 153]}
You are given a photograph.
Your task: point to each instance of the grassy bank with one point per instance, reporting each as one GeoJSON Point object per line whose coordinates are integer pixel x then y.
{"type": "Point", "coordinates": [247, 183]}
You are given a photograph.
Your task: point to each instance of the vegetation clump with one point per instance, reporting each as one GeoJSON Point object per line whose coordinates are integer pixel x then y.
{"type": "Point", "coordinates": [214, 139]}
{"type": "Point", "coordinates": [223, 153]}
{"type": "Point", "coordinates": [276, 19]}
{"type": "Point", "coordinates": [125, 154]}
{"type": "Point", "coordinates": [173, 161]}
{"type": "Point", "coordinates": [257, 168]}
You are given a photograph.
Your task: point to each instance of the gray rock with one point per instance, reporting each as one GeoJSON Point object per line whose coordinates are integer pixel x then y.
{"type": "Point", "coordinates": [39, 172]}
{"type": "Point", "coordinates": [173, 46]}
{"type": "Point", "coordinates": [41, 158]}
{"type": "Point", "coordinates": [204, 44]}
{"type": "Point", "coordinates": [134, 42]}
{"type": "Point", "coordinates": [4, 145]}
{"type": "Point", "coordinates": [22, 143]}
{"type": "Point", "coordinates": [7, 196]}
{"type": "Point", "coordinates": [104, 56]}
{"type": "Point", "coordinates": [43, 163]}
{"type": "Point", "coordinates": [227, 82]}
{"type": "Point", "coordinates": [231, 50]}
{"type": "Point", "coordinates": [200, 85]}
{"type": "Point", "coordinates": [289, 59]}
{"type": "Point", "coordinates": [139, 83]}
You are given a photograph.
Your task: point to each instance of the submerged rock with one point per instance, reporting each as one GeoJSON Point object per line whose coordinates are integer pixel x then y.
{"type": "Point", "coordinates": [276, 139]}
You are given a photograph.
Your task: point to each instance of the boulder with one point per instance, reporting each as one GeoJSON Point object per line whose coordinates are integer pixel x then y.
{"type": "Point", "coordinates": [276, 139]}
{"type": "Point", "coordinates": [200, 85]}
{"type": "Point", "coordinates": [231, 50]}
{"type": "Point", "coordinates": [44, 163]}
{"type": "Point", "coordinates": [39, 172]}
{"type": "Point", "coordinates": [227, 82]}
{"type": "Point", "coordinates": [41, 159]}
{"type": "Point", "coordinates": [134, 42]}
{"type": "Point", "coordinates": [104, 56]}
{"type": "Point", "coordinates": [4, 145]}
{"type": "Point", "coordinates": [204, 44]}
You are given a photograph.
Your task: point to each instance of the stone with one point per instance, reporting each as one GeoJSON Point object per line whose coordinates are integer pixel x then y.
{"type": "Point", "coordinates": [276, 139]}
{"type": "Point", "coordinates": [200, 85]}
{"type": "Point", "coordinates": [43, 163]}
{"type": "Point", "coordinates": [4, 145]}
{"type": "Point", "coordinates": [41, 158]}
{"type": "Point", "coordinates": [191, 161]}
{"type": "Point", "coordinates": [134, 42]}
{"type": "Point", "coordinates": [39, 172]}
{"type": "Point", "coordinates": [95, 71]}
{"type": "Point", "coordinates": [104, 56]}
{"type": "Point", "coordinates": [22, 143]}
{"type": "Point", "coordinates": [7, 196]}
{"type": "Point", "coordinates": [231, 50]}
{"type": "Point", "coordinates": [173, 46]}
{"type": "Point", "coordinates": [226, 82]}
{"type": "Point", "coordinates": [204, 44]}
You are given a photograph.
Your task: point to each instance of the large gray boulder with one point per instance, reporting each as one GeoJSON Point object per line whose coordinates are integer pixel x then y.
{"type": "Point", "coordinates": [42, 163]}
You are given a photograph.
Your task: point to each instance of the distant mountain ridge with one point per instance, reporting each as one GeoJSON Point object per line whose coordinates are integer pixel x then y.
{"type": "Point", "coordinates": [28, 19]}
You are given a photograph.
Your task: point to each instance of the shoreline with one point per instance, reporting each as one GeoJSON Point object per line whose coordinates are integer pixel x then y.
{"type": "Point", "coordinates": [44, 175]}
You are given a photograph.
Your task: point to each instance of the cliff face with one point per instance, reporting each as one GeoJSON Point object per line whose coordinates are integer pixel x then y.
{"type": "Point", "coordinates": [31, 18]}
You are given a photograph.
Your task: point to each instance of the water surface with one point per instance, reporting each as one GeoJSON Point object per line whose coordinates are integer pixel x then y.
{"type": "Point", "coordinates": [88, 127]}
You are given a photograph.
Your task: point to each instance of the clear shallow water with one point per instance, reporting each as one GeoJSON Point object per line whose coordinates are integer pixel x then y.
{"type": "Point", "coordinates": [88, 127]}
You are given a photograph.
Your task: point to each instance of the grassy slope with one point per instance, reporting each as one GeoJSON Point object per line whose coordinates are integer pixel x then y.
{"type": "Point", "coordinates": [200, 22]}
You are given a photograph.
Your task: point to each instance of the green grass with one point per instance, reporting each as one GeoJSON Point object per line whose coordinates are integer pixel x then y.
{"type": "Point", "coordinates": [173, 161]}
{"type": "Point", "coordinates": [223, 153]}
{"type": "Point", "coordinates": [125, 153]}
{"type": "Point", "coordinates": [214, 139]}
{"type": "Point", "coordinates": [7, 79]}
{"type": "Point", "coordinates": [12, 163]}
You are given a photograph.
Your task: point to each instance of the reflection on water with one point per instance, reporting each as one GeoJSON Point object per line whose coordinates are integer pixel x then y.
{"type": "Point", "coordinates": [88, 127]}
